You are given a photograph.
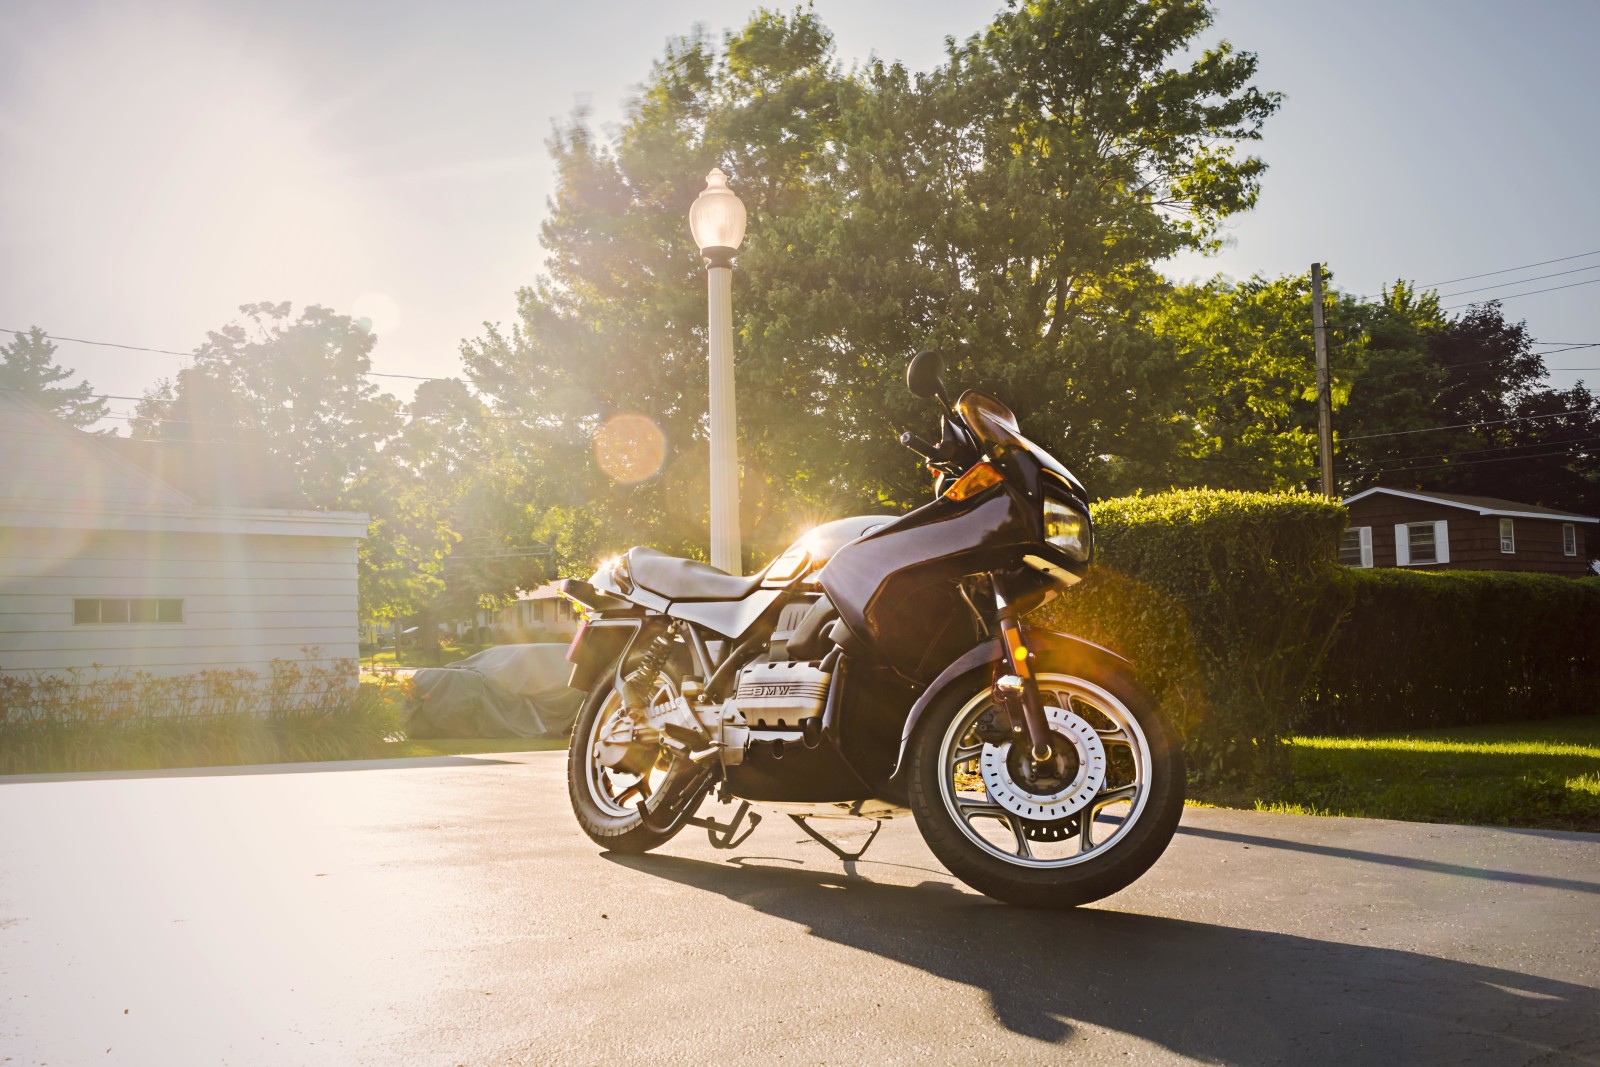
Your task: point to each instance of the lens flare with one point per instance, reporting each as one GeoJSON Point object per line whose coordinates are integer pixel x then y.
{"type": "Point", "coordinates": [629, 447]}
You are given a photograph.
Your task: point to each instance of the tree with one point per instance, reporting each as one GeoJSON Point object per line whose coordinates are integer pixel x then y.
{"type": "Point", "coordinates": [294, 389]}
{"type": "Point", "coordinates": [463, 460]}
{"type": "Point", "coordinates": [1479, 420]}
{"type": "Point", "coordinates": [28, 366]}
{"type": "Point", "coordinates": [1008, 207]}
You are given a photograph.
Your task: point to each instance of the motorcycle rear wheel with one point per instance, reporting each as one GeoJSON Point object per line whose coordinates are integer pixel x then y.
{"type": "Point", "coordinates": [613, 805]}
{"type": "Point", "coordinates": [1058, 835]}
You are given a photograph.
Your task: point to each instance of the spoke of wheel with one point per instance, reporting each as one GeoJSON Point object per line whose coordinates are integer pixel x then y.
{"type": "Point", "coordinates": [1086, 820]}
{"type": "Point", "coordinates": [1024, 849]}
{"type": "Point", "coordinates": [966, 754]}
{"type": "Point", "coordinates": [969, 808]}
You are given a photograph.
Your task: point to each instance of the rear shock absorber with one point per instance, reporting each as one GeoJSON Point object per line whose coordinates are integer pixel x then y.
{"type": "Point", "coordinates": [639, 684]}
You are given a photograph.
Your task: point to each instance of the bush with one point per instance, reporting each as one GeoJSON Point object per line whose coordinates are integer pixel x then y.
{"type": "Point", "coordinates": [136, 721]}
{"type": "Point", "coordinates": [1225, 602]}
{"type": "Point", "coordinates": [1425, 650]}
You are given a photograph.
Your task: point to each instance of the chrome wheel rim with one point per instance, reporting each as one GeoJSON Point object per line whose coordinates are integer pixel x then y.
{"type": "Point", "coordinates": [614, 791]}
{"type": "Point", "coordinates": [1096, 795]}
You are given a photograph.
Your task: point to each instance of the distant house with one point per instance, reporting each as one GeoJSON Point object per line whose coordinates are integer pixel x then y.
{"type": "Point", "coordinates": [1411, 528]}
{"type": "Point", "coordinates": [541, 614]}
{"type": "Point", "coordinates": [121, 555]}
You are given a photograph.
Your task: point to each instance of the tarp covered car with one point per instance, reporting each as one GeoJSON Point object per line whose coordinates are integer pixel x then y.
{"type": "Point", "coordinates": [506, 691]}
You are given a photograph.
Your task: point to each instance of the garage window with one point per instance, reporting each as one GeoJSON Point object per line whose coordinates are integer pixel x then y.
{"type": "Point", "coordinates": [126, 610]}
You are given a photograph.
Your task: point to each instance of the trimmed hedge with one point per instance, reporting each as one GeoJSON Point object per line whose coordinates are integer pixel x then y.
{"type": "Point", "coordinates": [1422, 650]}
{"type": "Point", "coordinates": [1225, 602]}
{"type": "Point", "coordinates": [1237, 618]}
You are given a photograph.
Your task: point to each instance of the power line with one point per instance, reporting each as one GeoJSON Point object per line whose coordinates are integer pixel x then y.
{"type": "Point", "coordinates": [1461, 426]}
{"type": "Point", "coordinates": [191, 355]}
{"type": "Point", "coordinates": [1509, 270]}
{"type": "Point", "coordinates": [1513, 296]}
{"type": "Point", "coordinates": [1463, 463]}
{"type": "Point", "coordinates": [101, 344]}
{"type": "Point", "coordinates": [1481, 451]}
{"type": "Point", "coordinates": [1521, 281]}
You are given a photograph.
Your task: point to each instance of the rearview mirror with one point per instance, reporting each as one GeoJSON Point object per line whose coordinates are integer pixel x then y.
{"type": "Point", "coordinates": [925, 375]}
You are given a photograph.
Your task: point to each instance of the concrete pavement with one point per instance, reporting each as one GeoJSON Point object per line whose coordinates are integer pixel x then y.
{"type": "Point", "coordinates": [448, 911]}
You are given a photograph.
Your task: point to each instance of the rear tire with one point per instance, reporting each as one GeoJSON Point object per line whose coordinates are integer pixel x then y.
{"type": "Point", "coordinates": [611, 805]}
{"type": "Point", "coordinates": [1061, 834]}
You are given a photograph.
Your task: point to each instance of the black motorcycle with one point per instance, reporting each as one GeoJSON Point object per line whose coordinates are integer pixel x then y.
{"type": "Point", "coordinates": [881, 664]}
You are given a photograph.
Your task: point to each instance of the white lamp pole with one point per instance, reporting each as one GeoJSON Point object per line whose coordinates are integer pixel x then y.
{"type": "Point", "coordinates": [717, 221]}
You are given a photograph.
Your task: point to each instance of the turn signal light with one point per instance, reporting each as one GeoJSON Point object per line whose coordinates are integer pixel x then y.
{"type": "Point", "coordinates": [974, 482]}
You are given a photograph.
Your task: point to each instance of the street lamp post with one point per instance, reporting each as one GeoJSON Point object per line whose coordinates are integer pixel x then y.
{"type": "Point", "coordinates": [717, 221]}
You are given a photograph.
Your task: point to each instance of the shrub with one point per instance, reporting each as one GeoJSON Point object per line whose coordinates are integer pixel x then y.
{"type": "Point", "coordinates": [136, 720]}
{"type": "Point", "coordinates": [1225, 601]}
{"type": "Point", "coordinates": [1424, 650]}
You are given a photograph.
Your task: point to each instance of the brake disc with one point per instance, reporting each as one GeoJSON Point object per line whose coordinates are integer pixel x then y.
{"type": "Point", "coordinates": [1017, 798]}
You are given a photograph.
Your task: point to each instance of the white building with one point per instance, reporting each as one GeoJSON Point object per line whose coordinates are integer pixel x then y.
{"type": "Point", "coordinates": [120, 555]}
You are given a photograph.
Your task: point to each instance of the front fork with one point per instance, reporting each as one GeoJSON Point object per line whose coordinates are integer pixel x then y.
{"type": "Point", "coordinates": [1018, 691]}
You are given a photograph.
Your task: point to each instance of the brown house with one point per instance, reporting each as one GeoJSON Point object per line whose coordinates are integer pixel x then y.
{"type": "Point", "coordinates": [1411, 528]}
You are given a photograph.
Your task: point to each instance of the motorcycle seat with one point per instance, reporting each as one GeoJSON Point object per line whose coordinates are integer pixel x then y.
{"type": "Point", "coordinates": [685, 579]}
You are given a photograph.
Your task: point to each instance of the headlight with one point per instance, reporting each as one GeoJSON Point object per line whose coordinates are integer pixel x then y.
{"type": "Point", "coordinates": [1067, 528]}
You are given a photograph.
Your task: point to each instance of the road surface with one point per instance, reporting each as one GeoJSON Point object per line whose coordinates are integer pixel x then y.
{"type": "Point", "coordinates": [448, 911]}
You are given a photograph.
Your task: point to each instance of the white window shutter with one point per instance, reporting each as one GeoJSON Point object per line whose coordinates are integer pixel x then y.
{"type": "Point", "coordinates": [1441, 541]}
{"type": "Point", "coordinates": [1402, 545]}
{"type": "Point", "coordinates": [1366, 546]}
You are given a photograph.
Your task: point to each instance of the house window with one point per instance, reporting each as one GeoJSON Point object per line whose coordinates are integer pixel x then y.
{"type": "Point", "coordinates": [1508, 537]}
{"type": "Point", "coordinates": [1569, 539]}
{"type": "Point", "coordinates": [1418, 543]}
{"type": "Point", "coordinates": [126, 610]}
{"type": "Point", "coordinates": [1355, 547]}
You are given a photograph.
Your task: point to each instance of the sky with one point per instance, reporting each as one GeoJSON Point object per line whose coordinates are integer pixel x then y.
{"type": "Point", "coordinates": [168, 160]}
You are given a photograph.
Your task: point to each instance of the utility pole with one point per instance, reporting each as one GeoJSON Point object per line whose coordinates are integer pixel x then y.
{"type": "Point", "coordinates": [1319, 334]}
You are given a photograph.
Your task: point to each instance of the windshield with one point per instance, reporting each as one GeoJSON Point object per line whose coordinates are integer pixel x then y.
{"type": "Point", "coordinates": [995, 427]}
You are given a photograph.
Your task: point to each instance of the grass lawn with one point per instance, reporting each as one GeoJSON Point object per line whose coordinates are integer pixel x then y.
{"type": "Point", "coordinates": [467, 746]}
{"type": "Point", "coordinates": [1544, 775]}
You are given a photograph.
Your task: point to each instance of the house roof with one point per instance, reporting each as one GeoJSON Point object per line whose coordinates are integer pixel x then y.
{"type": "Point", "coordinates": [1482, 505]}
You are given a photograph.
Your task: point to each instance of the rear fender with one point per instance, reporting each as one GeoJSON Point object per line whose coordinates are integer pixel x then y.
{"type": "Point", "coordinates": [598, 645]}
{"type": "Point", "coordinates": [1065, 651]}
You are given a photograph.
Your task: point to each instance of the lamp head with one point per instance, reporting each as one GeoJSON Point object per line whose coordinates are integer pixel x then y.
{"type": "Point", "coordinates": [717, 220]}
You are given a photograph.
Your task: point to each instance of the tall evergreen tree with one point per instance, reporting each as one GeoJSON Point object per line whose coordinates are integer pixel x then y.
{"type": "Point", "coordinates": [28, 367]}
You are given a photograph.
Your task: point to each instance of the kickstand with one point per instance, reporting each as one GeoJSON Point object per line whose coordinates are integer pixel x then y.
{"type": "Point", "coordinates": [722, 834]}
{"type": "Point", "coordinates": [847, 857]}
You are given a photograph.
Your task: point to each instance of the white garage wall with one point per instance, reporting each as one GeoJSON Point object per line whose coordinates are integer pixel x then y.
{"type": "Point", "coordinates": [248, 599]}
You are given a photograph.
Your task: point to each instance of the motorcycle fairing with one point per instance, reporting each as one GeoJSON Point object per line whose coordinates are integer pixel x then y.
{"type": "Point", "coordinates": [1067, 649]}
{"type": "Point", "coordinates": [895, 587]}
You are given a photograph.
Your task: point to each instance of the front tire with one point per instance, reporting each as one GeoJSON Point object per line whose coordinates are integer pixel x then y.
{"type": "Point", "coordinates": [1068, 832]}
{"type": "Point", "coordinates": [613, 805]}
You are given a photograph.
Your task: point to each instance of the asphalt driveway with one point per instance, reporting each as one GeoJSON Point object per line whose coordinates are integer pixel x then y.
{"type": "Point", "coordinates": [448, 911]}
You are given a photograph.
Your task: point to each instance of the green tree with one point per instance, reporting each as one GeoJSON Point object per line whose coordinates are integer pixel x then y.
{"type": "Point", "coordinates": [1007, 206]}
{"type": "Point", "coordinates": [28, 367]}
{"type": "Point", "coordinates": [464, 461]}
{"type": "Point", "coordinates": [294, 389]}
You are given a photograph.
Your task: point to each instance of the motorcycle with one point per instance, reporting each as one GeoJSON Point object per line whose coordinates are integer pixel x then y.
{"type": "Point", "coordinates": [880, 665]}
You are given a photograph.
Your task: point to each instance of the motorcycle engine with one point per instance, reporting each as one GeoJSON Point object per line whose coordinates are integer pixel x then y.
{"type": "Point", "coordinates": [780, 695]}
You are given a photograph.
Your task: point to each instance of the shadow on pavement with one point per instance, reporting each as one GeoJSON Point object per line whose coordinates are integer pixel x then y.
{"type": "Point", "coordinates": [1408, 862]}
{"type": "Point", "coordinates": [1213, 993]}
{"type": "Point", "coordinates": [329, 766]}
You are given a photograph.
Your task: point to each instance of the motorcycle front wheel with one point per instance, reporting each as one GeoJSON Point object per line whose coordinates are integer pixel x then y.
{"type": "Point", "coordinates": [1077, 828]}
{"type": "Point", "coordinates": [640, 801]}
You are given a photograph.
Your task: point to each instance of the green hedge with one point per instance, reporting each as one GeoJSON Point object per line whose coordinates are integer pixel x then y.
{"type": "Point", "coordinates": [1423, 650]}
{"type": "Point", "coordinates": [1236, 616]}
{"type": "Point", "coordinates": [1225, 602]}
